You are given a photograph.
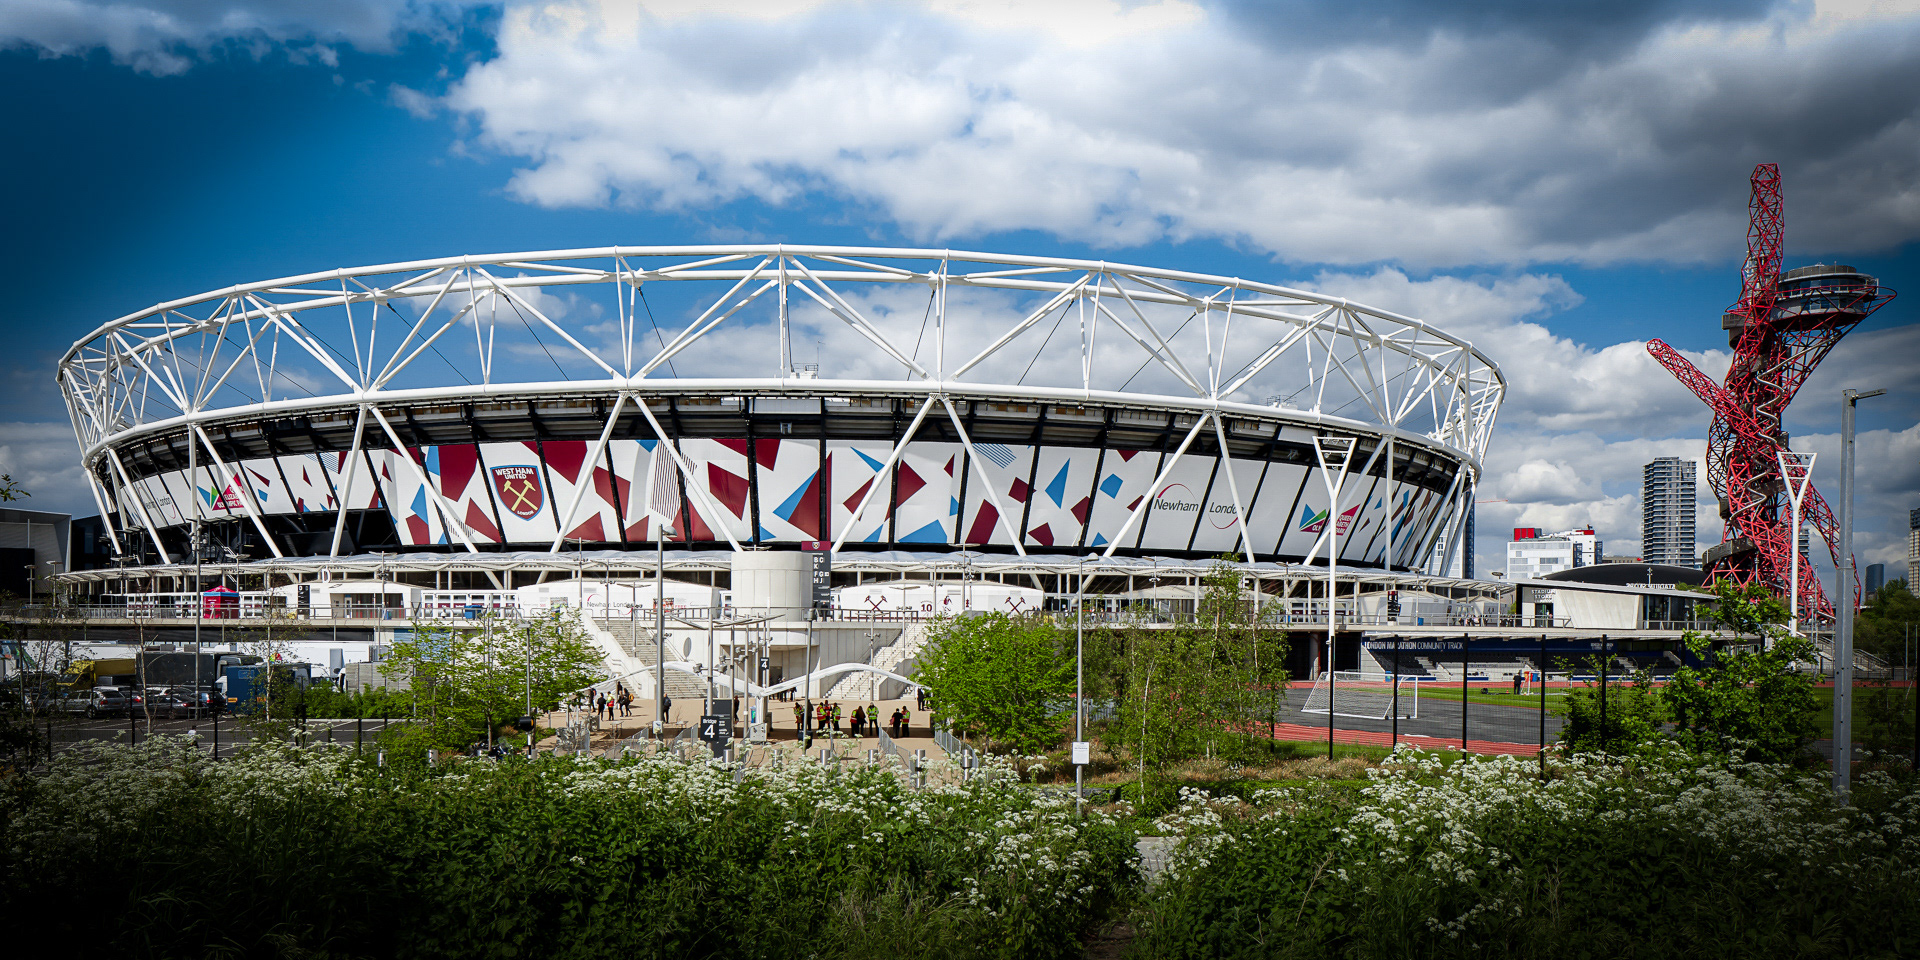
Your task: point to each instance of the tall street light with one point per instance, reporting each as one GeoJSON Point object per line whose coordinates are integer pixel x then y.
{"type": "Point", "coordinates": [1843, 635]}
{"type": "Point", "coordinates": [1080, 748]}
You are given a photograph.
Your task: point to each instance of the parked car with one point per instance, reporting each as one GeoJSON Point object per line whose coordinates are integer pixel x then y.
{"type": "Point", "coordinates": [168, 706]}
{"type": "Point", "coordinates": [97, 702]}
{"type": "Point", "coordinates": [63, 701]}
{"type": "Point", "coordinates": [202, 702]}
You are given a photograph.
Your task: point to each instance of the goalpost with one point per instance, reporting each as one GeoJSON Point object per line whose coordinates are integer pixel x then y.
{"type": "Point", "coordinates": [1364, 696]}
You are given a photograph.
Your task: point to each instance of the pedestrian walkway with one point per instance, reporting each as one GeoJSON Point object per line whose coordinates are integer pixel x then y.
{"type": "Point", "coordinates": [781, 732]}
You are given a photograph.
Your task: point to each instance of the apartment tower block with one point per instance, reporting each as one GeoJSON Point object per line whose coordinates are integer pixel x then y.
{"type": "Point", "coordinates": [1666, 512]}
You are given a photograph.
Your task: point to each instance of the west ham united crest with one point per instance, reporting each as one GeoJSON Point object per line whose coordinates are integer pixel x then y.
{"type": "Point", "coordinates": [519, 490]}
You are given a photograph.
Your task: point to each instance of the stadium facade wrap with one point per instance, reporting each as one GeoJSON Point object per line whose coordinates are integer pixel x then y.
{"type": "Point", "coordinates": [879, 400]}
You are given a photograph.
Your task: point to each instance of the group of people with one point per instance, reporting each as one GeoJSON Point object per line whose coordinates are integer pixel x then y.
{"type": "Point", "coordinates": [865, 721]}
{"type": "Point", "coordinates": [607, 708]}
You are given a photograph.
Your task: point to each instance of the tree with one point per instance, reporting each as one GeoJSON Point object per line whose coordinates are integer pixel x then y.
{"type": "Point", "coordinates": [1749, 698]}
{"type": "Point", "coordinates": [270, 637]}
{"type": "Point", "coordinates": [1005, 679]}
{"type": "Point", "coordinates": [1889, 623]}
{"type": "Point", "coordinates": [1205, 689]}
{"type": "Point", "coordinates": [1633, 714]}
{"type": "Point", "coordinates": [464, 681]}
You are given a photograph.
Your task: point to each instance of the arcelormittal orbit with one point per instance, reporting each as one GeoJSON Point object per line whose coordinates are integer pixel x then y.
{"type": "Point", "coordinates": [1780, 330]}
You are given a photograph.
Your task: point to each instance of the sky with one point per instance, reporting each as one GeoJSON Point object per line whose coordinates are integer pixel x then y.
{"type": "Point", "coordinates": [1557, 183]}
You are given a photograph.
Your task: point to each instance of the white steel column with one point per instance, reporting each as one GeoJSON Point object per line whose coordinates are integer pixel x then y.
{"type": "Point", "coordinates": [1797, 470]}
{"type": "Point", "coordinates": [886, 471]}
{"type": "Point", "coordinates": [580, 489]}
{"type": "Point", "coordinates": [1332, 452]}
{"type": "Point", "coordinates": [246, 498]}
{"type": "Point", "coordinates": [138, 505]}
{"type": "Point", "coordinates": [453, 523]}
{"type": "Point", "coordinates": [1146, 503]}
{"type": "Point", "coordinates": [1006, 523]}
{"type": "Point", "coordinates": [345, 493]}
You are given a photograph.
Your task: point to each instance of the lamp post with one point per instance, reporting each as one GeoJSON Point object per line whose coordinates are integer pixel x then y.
{"type": "Point", "coordinates": [1843, 608]}
{"type": "Point", "coordinates": [1080, 749]}
{"type": "Point", "coordinates": [663, 531]}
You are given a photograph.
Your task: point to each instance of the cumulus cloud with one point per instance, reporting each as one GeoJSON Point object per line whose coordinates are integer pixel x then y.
{"type": "Point", "coordinates": [166, 37]}
{"type": "Point", "coordinates": [1426, 134]}
{"type": "Point", "coordinates": [42, 458]}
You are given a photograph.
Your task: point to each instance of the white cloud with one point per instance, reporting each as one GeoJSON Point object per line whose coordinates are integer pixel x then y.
{"type": "Point", "coordinates": [43, 460]}
{"type": "Point", "coordinates": [166, 37]}
{"type": "Point", "coordinates": [1580, 421]}
{"type": "Point", "coordinates": [420, 105]}
{"type": "Point", "coordinates": [1447, 143]}
{"type": "Point", "coordinates": [1886, 486]}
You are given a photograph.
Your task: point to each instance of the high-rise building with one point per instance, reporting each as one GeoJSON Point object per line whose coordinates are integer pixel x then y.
{"type": "Point", "coordinates": [1876, 578]}
{"type": "Point", "coordinates": [1666, 512]}
{"type": "Point", "coordinates": [1913, 552]}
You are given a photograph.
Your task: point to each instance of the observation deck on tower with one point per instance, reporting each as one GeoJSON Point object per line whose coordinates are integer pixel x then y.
{"type": "Point", "coordinates": [1815, 296]}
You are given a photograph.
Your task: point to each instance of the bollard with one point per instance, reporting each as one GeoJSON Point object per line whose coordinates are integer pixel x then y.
{"type": "Point", "coordinates": [873, 758]}
{"type": "Point", "coordinates": [433, 756]}
{"type": "Point", "coordinates": [383, 758]}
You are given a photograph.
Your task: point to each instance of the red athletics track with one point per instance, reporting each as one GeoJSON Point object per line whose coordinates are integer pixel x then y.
{"type": "Point", "coordinates": [1301, 732]}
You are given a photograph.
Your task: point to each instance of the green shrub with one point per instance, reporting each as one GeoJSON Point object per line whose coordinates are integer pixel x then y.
{"type": "Point", "coordinates": [1668, 855]}
{"type": "Point", "coordinates": [289, 850]}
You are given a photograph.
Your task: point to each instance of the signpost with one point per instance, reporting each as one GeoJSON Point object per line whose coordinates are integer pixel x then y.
{"type": "Point", "coordinates": [716, 729]}
{"type": "Point", "coordinates": [820, 555]}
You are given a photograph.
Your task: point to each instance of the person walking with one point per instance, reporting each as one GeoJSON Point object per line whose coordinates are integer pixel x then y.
{"type": "Point", "coordinates": [859, 720]}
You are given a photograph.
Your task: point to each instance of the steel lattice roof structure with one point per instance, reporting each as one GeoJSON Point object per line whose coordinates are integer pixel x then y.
{"type": "Point", "coordinates": [388, 387]}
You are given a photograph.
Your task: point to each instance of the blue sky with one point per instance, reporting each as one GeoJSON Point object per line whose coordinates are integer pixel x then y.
{"type": "Point", "coordinates": [1558, 186]}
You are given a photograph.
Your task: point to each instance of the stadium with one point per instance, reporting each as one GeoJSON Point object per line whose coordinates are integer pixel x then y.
{"type": "Point", "coordinates": [944, 429]}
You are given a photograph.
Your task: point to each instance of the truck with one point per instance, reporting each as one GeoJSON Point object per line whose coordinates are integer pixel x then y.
{"type": "Point", "coordinates": [245, 685]}
{"type": "Point", "coordinates": [153, 668]}
{"type": "Point", "coordinates": [87, 674]}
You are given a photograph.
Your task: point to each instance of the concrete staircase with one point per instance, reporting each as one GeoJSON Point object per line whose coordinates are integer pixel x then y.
{"type": "Point", "coordinates": [900, 657]}
{"type": "Point", "coordinates": [637, 645]}
{"type": "Point", "coordinates": [1434, 669]}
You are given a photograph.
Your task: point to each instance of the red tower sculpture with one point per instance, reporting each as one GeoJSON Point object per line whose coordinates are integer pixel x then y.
{"type": "Point", "coordinates": [1781, 328]}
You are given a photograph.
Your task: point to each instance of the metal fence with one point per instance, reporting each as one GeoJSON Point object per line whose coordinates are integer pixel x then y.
{"type": "Point", "coordinates": [221, 737]}
{"type": "Point", "coordinates": [1141, 615]}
